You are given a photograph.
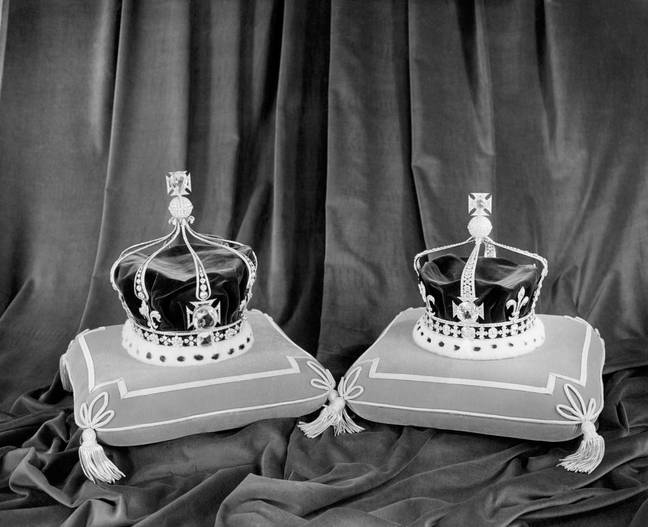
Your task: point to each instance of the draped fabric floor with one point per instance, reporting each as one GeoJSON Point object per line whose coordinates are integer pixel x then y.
{"type": "Point", "coordinates": [338, 138]}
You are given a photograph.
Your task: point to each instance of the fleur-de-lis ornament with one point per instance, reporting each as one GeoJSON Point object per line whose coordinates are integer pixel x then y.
{"type": "Point", "coordinates": [517, 305]}
{"type": "Point", "coordinates": [428, 299]}
{"type": "Point", "coordinates": [152, 317]}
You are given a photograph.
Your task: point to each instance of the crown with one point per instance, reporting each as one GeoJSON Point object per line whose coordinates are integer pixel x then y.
{"type": "Point", "coordinates": [479, 307]}
{"type": "Point", "coordinates": [185, 294]}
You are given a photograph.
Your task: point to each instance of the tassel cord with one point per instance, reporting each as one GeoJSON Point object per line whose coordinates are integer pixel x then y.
{"type": "Point", "coordinates": [94, 462]}
{"type": "Point", "coordinates": [334, 414]}
{"type": "Point", "coordinates": [591, 450]}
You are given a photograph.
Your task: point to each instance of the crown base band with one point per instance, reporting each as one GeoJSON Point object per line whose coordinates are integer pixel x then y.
{"type": "Point", "coordinates": [479, 349]}
{"type": "Point", "coordinates": [149, 352]}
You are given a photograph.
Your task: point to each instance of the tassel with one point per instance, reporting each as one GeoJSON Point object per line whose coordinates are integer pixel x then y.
{"type": "Point", "coordinates": [589, 454]}
{"type": "Point", "coordinates": [334, 414]}
{"type": "Point", "coordinates": [94, 462]}
{"type": "Point", "coordinates": [592, 448]}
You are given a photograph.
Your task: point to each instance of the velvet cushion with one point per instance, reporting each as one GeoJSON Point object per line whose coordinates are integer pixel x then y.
{"type": "Point", "coordinates": [401, 383]}
{"type": "Point", "coordinates": [497, 280]}
{"type": "Point", "coordinates": [133, 403]}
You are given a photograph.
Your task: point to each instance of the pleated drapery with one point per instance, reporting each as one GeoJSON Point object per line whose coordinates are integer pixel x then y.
{"type": "Point", "coordinates": [338, 138]}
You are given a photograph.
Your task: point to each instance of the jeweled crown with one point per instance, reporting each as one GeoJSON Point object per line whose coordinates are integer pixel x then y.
{"type": "Point", "coordinates": [479, 307]}
{"type": "Point", "coordinates": [185, 294]}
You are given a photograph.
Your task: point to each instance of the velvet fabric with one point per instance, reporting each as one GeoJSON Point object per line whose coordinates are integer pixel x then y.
{"type": "Point", "coordinates": [170, 281]}
{"type": "Point", "coordinates": [338, 138]}
{"type": "Point", "coordinates": [497, 280]}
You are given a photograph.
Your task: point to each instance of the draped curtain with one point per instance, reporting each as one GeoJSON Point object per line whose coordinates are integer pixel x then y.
{"type": "Point", "coordinates": [338, 138]}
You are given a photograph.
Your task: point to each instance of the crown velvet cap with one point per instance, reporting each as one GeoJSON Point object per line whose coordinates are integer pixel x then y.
{"type": "Point", "coordinates": [185, 290]}
{"type": "Point", "coordinates": [497, 282]}
{"type": "Point", "coordinates": [170, 282]}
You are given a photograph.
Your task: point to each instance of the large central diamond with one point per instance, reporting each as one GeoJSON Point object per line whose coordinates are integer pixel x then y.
{"type": "Point", "coordinates": [467, 311]}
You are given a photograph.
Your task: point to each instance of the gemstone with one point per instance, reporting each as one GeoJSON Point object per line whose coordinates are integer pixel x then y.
{"type": "Point", "coordinates": [468, 332]}
{"type": "Point", "coordinates": [204, 339]}
{"type": "Point", "coordinates": [492, 332]}
{"type": "Point", "coordinates": [466, 311]}
{"type": "Point", "coordinates": [204, 317]}
{"type": "Point", "coordinates": [177, 180]}
{"type": "Point", "coordinates": [445, 329]}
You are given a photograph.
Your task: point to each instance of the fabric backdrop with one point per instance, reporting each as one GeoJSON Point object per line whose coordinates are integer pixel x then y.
{"type": "Point", "coordinates": [338, 138]}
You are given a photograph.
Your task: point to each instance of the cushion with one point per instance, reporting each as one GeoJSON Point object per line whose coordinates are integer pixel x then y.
{"type": "Point", "coordinates": [545, 395]}
{"type": "Point", "coordinates": [128, 402]}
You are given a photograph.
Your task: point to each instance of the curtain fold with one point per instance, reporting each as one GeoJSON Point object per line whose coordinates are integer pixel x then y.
{"type": "Point", "coordinates": [4, 12]}
{"type": "Point", "coordinates": [338, 138]}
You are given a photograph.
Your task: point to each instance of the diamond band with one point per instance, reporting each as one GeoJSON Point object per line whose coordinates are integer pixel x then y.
{"type": "Point", "coordinates": [477, 331]}
{"type": "Point", "coordinates": [174, 353]}
{"type": "Point", "coordinates": [188, 338]}
{"type": "Point", "coordinates": [481, 341]}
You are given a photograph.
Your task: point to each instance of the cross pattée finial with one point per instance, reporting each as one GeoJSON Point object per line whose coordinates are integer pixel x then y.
{"type": "Point", "coordinates": [480, 203]}
{"type": "Point", "coordinates": [178, 183]}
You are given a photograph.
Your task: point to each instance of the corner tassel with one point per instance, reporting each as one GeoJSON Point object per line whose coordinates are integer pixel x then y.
{"type": "Point", "coordinates": [592, 448]}
{"type": "Point", "coordinates": [335, 413]}
{"type": "Point", "coordinates": [589, 454]}
{"type": "Point", "coordinates": [94, 462]}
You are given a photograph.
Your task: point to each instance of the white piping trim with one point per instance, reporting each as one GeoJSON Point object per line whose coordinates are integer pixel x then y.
{"type": "Point", "coordinates": [86, 355]}
{"type": "Point", "coordinates": [470, 414]}
{"type": "Point", "coordinates": [208, 414]}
